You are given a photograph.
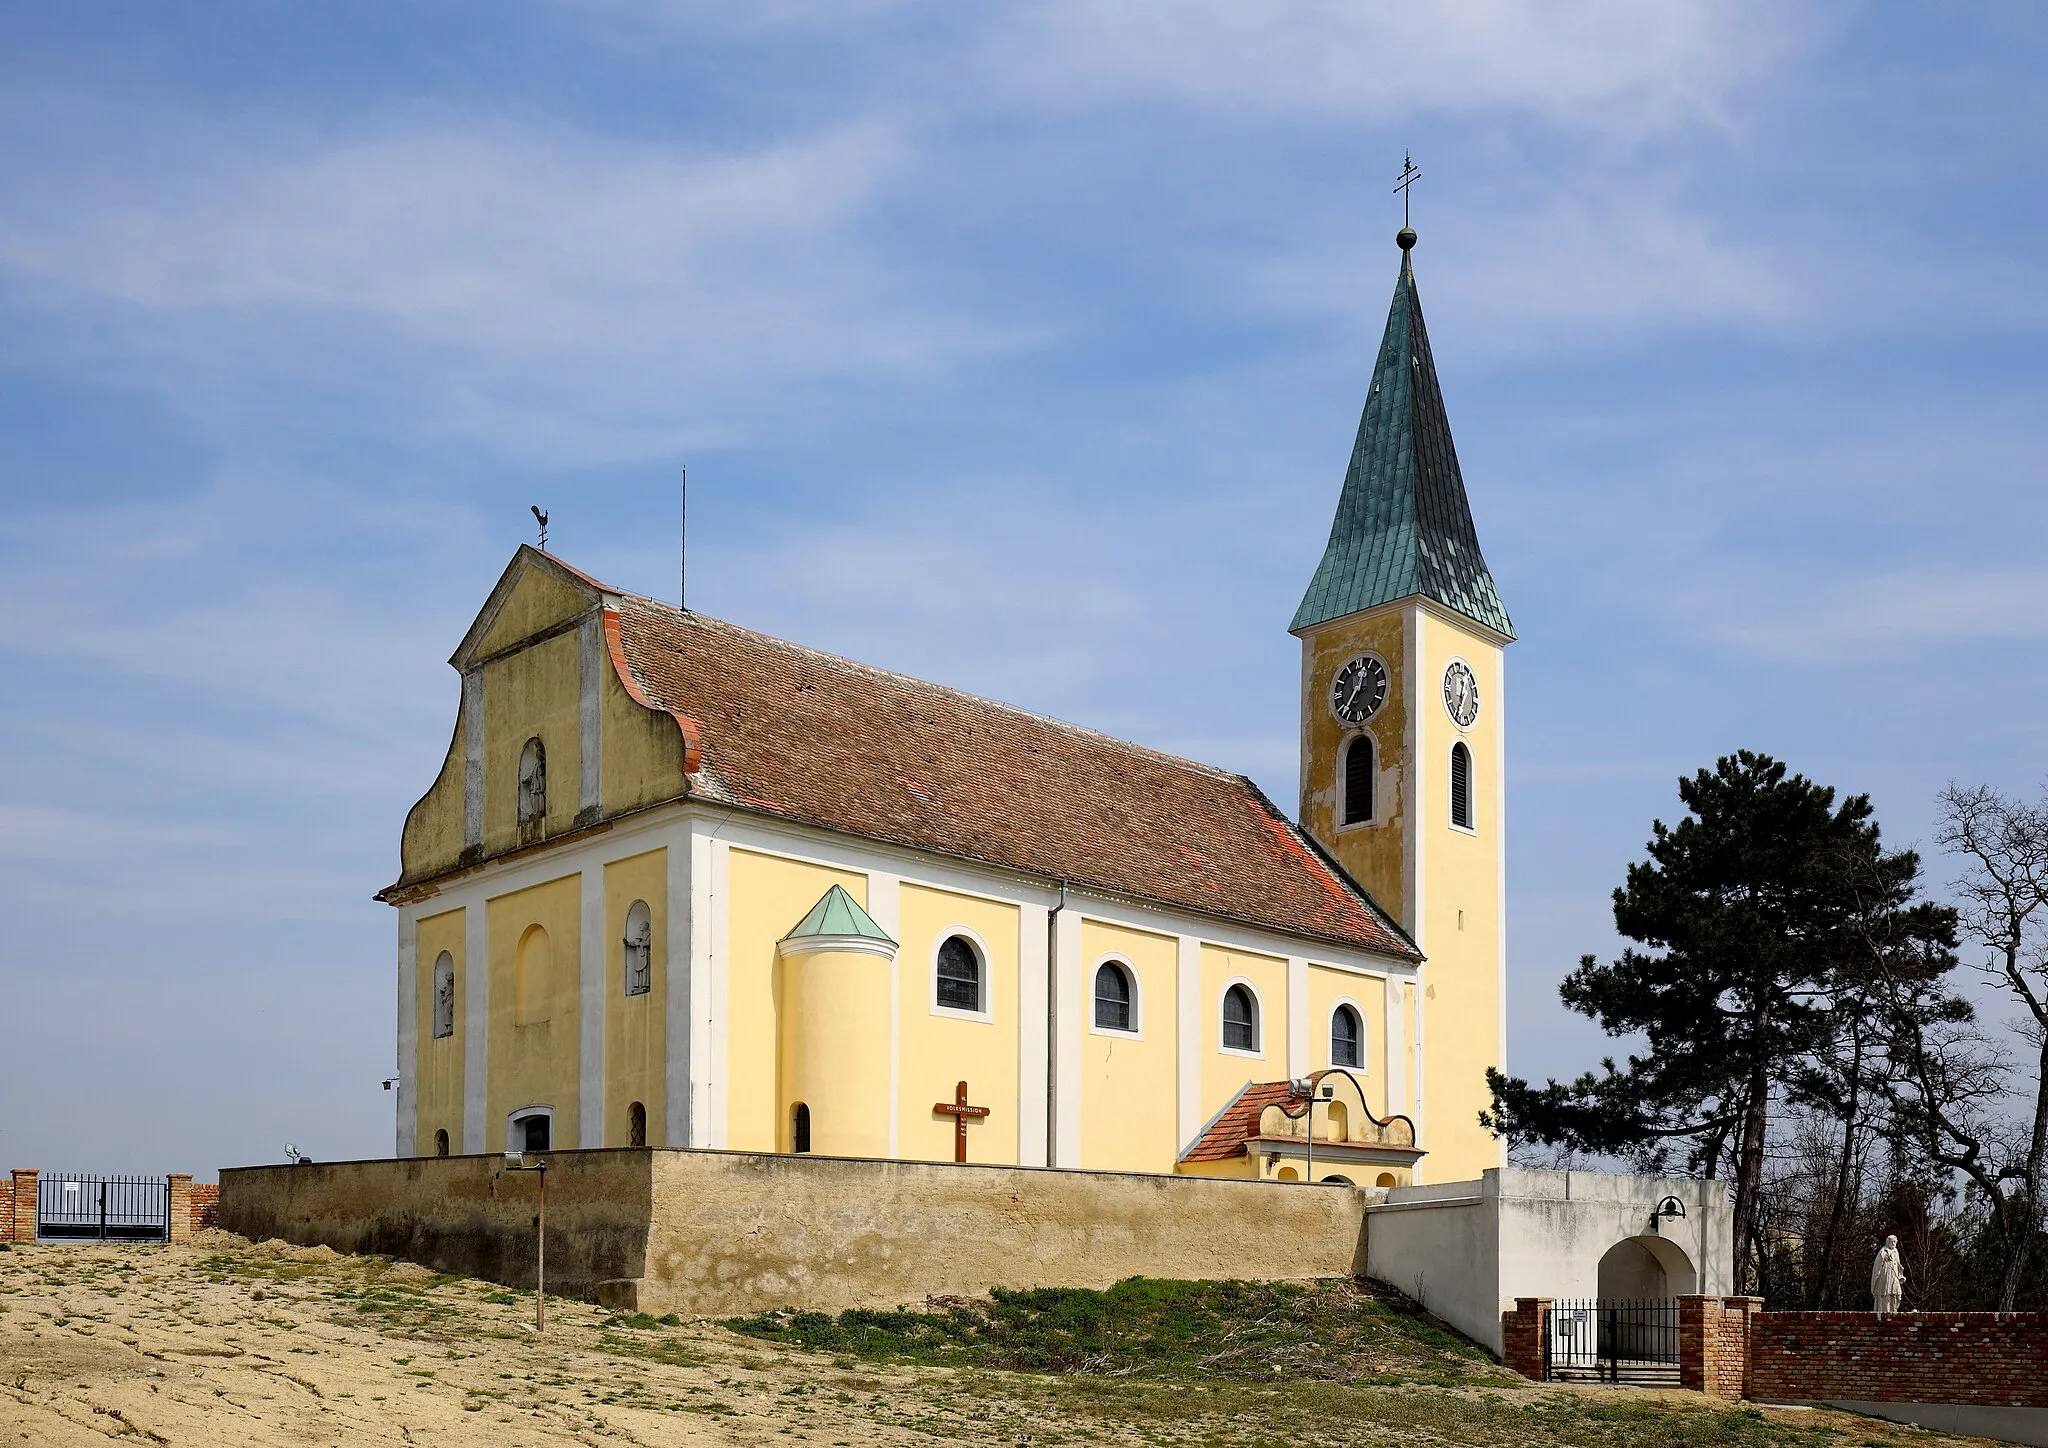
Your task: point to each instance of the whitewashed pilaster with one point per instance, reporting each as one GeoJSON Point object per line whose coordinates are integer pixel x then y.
{"type": "Point", "coordinates": [408, 1030]}
{"type": "Point", "coordinates": [592, 997]}
{"type": "Point", "coordinates": [1034, 1045]}
{"type": "Point", "coordinates": [1187, 998]}
{"type": "Point", "coordinates": [476, 1028]}
{"type": "Point", "coordinates": [679, 1128]}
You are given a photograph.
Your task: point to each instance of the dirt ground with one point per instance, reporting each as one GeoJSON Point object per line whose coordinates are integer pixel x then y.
{"type": "Point", "coordinates": [224, 1343]}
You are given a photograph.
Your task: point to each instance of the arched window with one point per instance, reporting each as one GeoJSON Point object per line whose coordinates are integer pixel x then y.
{"type": "Point", "coordinates": [1347, 1038]}
{"type": "Point", "coordinates": [800, 1127]}
{"type": "Point", "coordinates": [1386, 1179]}
{"type": "Point", "coordinates": [532, 978]}
{"type": "Point", "coordinates": [1358, 780]}
{"type": "Point", "coordinates": [639, 949]}
{"type": "Point", "coordinates": [444, 995]}
{"type": "Point", "coordinates": [1240, 1019]}
{"type": "Point", "coordinates": [441, 1142]}
{"type": "Point", "coordinates": [533, 789]}
{"type": "Point", "coordinates": [636, 1125]}
{"type": "Point", "coordinates": [959, 972]}
{"type": "Point", "coordinates": [1113, 998]}
{"type": "Point", "coordinates": [1461, 786]}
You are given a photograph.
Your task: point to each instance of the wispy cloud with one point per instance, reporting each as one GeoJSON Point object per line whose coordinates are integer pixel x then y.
{"type": "Point", "coordinates": [542, 290]}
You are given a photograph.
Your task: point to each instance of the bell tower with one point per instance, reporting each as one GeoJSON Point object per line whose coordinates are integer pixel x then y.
{"type": "Point", "coordinates": [1403, 638]}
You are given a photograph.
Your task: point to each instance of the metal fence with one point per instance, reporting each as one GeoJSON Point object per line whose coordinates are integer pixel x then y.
{"type": "Point", "coordinates": [1612, 1340]}
{"type": "Point", "coordinates": [75, 1207]}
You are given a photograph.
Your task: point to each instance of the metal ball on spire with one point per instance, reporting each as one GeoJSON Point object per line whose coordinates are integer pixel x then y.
{"type": "Point", "coordinates": [1405, 238]}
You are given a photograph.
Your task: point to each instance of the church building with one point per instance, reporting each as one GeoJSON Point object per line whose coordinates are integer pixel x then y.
{"type": "Point", "coordinates": [682, 884]}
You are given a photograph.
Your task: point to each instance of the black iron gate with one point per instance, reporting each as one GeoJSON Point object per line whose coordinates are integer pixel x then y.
{"type": "Point", "coordinates": [1613, 1340]}
{"type": "Point", "coordinates": [103, 1208]}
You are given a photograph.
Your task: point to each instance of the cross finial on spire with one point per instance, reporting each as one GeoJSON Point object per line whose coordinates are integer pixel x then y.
{"type": "Point", "coordinates": [1408, 177]}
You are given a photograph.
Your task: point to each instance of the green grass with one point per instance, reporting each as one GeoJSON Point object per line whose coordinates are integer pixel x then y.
{"type": "Point", "coordinates": [1334, 1330]}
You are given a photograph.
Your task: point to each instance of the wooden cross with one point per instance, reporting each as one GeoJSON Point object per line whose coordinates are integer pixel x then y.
{"type": "Point", "coordinates": [959, 1110]}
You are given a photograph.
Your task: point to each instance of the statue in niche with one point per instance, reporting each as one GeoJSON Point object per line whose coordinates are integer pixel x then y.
{"type": "Point", "coordinates": [533, 788]}
{"type": "Point", "coordinates": [444, 996]}
{"type": "Point", "coordinates": [1888, 1278]}
{"type": "Point", "coordinates": [639, 950]}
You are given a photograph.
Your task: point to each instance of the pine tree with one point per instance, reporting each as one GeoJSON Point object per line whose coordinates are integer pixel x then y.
{"type": "Point", "coordinates": [1745, 916]}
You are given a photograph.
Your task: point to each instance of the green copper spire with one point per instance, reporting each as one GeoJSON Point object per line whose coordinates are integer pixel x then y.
{"type": "Point", "coordinates": [838, 913]}
{"type": "Point", "coordinates": [1403, 526]}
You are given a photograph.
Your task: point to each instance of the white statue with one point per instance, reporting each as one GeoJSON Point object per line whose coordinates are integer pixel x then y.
{"type": "Point", "coordinates": [1888, 1277]}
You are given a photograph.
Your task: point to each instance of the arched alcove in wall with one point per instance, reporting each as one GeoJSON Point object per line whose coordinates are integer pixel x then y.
{"type": "Point", "coordinates": [1646, 1268]}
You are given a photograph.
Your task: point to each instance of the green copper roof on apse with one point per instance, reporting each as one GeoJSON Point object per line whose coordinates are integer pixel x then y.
{"type": "Point", "coordinates": [1403, 525]}
{"type": "Point", "coordinates": [838, 913]}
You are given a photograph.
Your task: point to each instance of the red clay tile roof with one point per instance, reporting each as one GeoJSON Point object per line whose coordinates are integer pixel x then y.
{"type": "Point", "coordinates": [1238, 1122]}
{"type": "Point", "coordinates": [1236, 1126]}
{"type": "Point", "coordinates": [811, 737]}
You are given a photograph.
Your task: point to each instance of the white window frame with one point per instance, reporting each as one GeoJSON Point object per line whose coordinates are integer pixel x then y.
{"type": "Point", "coordinates": [1258, 1051]}
{"type": "Point", "coordinates": [1122, 962]}
{"type": "Point", "coordinates": [514, 1138]}
{"type": "Point", "coordinates": [1361, 731]}
{"type": "Point", "coordinates": [986, 1015]}
{"type": "Point", "coordinates": [1364, 1040]}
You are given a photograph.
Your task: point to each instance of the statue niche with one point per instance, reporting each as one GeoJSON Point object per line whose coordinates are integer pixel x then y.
{"type": "Point", "coordinates": [533, 791]}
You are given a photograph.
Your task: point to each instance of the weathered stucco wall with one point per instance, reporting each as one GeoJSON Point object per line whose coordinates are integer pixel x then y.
{"type": "Point", "coordinates": [730, 1232]}
{"type": "Point", "coordinates": [458, 1214]}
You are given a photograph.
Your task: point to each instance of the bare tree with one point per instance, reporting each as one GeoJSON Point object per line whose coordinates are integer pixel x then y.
{"type": "Point", "coordinates": [2003, 844]}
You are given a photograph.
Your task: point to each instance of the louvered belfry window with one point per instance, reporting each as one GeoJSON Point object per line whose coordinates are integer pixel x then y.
{"type": "Point", "coordinates": [1358, 781]}
{"type": "Point", "coordinates": [1461, 786]}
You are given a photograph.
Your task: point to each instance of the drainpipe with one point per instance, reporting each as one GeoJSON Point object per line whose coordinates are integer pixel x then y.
{"type": "Point", "coordinates": [1052, 1027]}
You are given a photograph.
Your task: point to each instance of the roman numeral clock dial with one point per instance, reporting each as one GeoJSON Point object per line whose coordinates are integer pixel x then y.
{"type": "Point", "coordinates": [1359, 689]}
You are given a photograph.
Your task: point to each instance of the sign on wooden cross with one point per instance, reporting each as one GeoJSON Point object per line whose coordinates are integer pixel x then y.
{"type": "Point", "coordinates": [959, 1110]}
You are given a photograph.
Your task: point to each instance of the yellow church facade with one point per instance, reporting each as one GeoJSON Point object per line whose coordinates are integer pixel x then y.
{"type": "Point", "coordinates": [681, 884]}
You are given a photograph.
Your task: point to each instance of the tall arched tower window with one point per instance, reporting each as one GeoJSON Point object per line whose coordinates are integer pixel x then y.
{"type": "Point", "coordinates": [444, 995]}
{"type": "Point", "coordinates": [639, 949]}
{"type": "Point", "coordinates": [636, 1125]}
{"type": "Point", "coordinates": [1461, 786]}
{"type": "Point", "coordinates": [1358, 763]}
{"type": "Point", "coordinates": [800, 1127]}
{"type": "Point", "coordinates": [533, 789]}
{"type": "Point", "coordinates": [441, 1142]}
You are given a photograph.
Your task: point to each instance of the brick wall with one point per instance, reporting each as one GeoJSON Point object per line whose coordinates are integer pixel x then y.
{"type": "Point", "coordinates": [205, 1205]}
{"type": "Point", "coordinates": [1521, 1336]}
{"type": "Point", "coordinates": [1987, 1359]}
{"type": "Point", "coordinates": [1713, 1343]}
{"type": "Point", "coordinates": [21, 1206]}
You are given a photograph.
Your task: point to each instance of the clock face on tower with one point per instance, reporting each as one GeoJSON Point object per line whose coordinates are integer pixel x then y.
{"type": "Point", "coordinates": [1461, 694]}
{"type": "Point", "coordinates": [1359, 689]}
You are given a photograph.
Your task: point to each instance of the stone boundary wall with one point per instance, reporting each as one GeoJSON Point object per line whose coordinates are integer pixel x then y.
{"type": "Point", "coordinates": [1981, 1359]}
{"type": "Point", "coordinates": [717, 1232]}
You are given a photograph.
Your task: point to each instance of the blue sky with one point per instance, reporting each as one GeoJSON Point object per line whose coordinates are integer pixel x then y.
{"type": "Point", "coordinates": [1018, 347]}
